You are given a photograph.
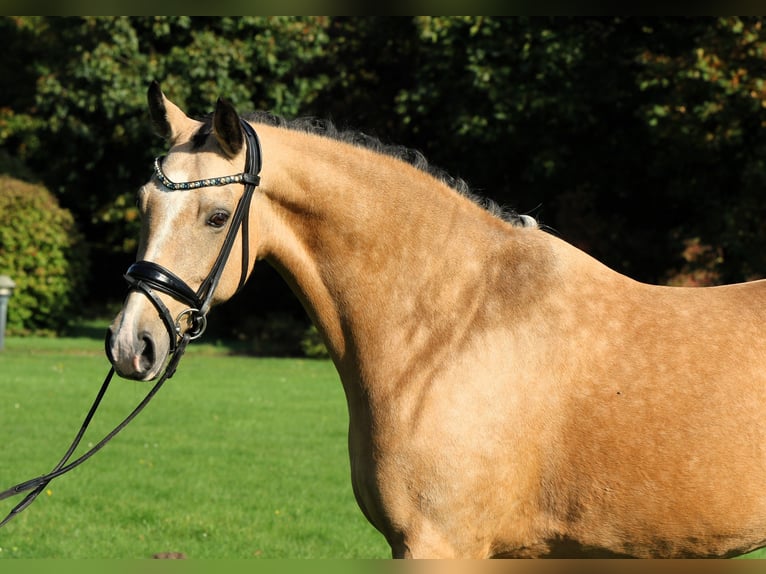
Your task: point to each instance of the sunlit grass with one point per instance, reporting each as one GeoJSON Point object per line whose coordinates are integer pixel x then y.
{"type": "Point", "coordinates": [235, 458]}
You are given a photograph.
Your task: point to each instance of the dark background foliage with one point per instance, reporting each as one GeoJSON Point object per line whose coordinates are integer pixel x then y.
{"type": "Point", "coordinates": [640, 140]}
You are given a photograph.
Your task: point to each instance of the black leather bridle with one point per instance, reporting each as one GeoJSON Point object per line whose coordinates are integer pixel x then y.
{"type": "Point", "coordinates": [147, 277]}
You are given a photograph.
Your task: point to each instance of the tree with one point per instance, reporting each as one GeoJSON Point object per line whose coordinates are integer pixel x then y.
{"type": "Point", "coordinates": [707, 117]}
{"type": "Point", "coordinates": [638, 139]}
{"type": "Point", "coordinates": [76, 114]}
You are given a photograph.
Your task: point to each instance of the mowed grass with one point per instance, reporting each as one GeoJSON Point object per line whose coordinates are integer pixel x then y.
{"type": "Point", "coordinates": [235, 457]}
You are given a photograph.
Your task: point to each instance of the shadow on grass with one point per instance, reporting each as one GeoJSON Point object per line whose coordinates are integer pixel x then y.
{"type": "Point", "coordinates": [90, 329]}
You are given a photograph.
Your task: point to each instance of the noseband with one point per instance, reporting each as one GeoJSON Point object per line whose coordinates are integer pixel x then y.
{"type": "Point", "coordinates": [147, 277]}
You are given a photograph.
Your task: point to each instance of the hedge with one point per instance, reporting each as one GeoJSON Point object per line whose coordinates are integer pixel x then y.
{"type": "Point", "coordinates": [42, 250]}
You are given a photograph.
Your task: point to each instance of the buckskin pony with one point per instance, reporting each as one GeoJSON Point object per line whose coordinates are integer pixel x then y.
{"type": "Point", "coordinates": [508, 395]}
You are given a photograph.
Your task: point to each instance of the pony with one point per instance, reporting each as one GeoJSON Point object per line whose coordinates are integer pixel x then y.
{"type": "Point", "coordinates": [508, 395]}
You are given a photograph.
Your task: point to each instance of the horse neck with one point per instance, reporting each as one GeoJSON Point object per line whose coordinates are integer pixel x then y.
{"type": "Point", "coordinates": [386, 259]}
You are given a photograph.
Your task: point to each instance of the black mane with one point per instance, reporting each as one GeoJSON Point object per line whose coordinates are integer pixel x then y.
{"type": "Point", "coordinates": [413, 157]}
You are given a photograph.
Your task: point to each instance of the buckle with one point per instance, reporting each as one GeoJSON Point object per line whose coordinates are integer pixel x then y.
{"type": "Point", "coordinates": [198, 323]}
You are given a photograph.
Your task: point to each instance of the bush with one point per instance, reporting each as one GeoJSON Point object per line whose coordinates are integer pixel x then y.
{"type": "Point", "coordinates": [272, 334]}
{"type": "Point", "coordinates": [312, 345]}
{"type": "Point", "coordinates": [44, 253]}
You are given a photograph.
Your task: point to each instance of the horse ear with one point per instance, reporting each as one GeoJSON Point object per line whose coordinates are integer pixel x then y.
{"type": "Point", "coordinates": [167, 118]}
{"type": "Point", "coordinates": [227, 128]}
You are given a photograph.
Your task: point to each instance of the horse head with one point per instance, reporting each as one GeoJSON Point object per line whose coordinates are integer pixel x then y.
{"type": "Point", "coordinates": [187, 232]}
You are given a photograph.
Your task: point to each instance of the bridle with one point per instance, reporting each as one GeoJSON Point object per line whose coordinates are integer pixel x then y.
{"type": "Point", "coordinates": [147, 277]}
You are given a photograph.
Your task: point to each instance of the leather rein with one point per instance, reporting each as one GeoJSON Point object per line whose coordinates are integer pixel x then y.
{"type": "Point", "coordinates": [147, 277]}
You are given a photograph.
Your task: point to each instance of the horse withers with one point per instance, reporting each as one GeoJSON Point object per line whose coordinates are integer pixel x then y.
{"type": "Point", "coordinates": [508, 395]}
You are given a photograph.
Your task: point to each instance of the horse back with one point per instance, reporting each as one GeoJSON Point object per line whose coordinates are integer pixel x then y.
{"type": "Point", "coordinates": [660, 441]}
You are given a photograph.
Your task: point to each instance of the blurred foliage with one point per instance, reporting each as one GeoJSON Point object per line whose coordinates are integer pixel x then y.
{"type": "Point", "coordinates": [706, 116]}
{"type": "Point", "coordinates": [279, 334]}
{"type": "Point", "coordinates": [75, 112]}
{"type": "Point", "coordinates": [44, 254]}
{"type": "Point", "coordinates": [312, 344]}
{"type": "Point", "coordinates": [639, 140]}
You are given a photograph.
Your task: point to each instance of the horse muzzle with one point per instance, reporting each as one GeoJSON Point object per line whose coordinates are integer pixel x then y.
{"type": "Point", "coordinates": [135, 343]}
{"type": "Point", "coordinates": [135, 353]}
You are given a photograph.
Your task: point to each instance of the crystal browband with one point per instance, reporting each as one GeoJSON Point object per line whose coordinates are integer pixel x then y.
{"type": "Point", "coordinates": [211, 182]}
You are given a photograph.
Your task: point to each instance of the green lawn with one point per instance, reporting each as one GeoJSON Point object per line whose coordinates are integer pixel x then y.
{"type": "Point", "coordinates": [234, 458]}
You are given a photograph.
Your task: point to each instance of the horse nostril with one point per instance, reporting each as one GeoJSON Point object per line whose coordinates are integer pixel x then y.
{"type": "Point", "coordinates": [148, 354]}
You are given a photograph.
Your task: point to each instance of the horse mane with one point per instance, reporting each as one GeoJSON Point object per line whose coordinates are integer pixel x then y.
{"type": "Point", "coordinates": [411, 156]}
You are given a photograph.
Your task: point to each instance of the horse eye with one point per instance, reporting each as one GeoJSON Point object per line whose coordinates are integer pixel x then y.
{"type": "Point", "coordinates": [218, 219]}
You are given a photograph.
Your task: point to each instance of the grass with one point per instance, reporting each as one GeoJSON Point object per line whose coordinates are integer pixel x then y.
{"type": "Point", "coordinates": [234, 458]}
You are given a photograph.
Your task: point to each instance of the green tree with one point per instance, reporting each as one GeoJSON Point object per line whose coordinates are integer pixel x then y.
{"type": "Point", "coordinates": [635, 137]}
{"type": "Point", "coordinates": [707, 116]}
{"type": "Point", "coordinates": [638, 139]}
{"type": "Point", "coordinates": [76, 112]}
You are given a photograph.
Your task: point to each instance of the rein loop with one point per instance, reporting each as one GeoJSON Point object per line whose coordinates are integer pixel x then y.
{"type": "Point", "coordinates": [147, 277]}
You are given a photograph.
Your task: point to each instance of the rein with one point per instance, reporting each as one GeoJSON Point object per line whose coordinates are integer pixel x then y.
{"type": "Point", "coordinates": [147, 277]}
